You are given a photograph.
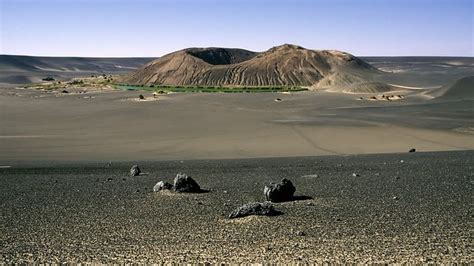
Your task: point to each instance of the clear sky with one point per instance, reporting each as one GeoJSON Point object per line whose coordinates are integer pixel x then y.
{"type": "Point", "coordinates": [153, 28]}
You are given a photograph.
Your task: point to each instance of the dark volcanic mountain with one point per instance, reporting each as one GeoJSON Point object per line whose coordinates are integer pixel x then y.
{"type": "Point", "coordinates": [289, 65]}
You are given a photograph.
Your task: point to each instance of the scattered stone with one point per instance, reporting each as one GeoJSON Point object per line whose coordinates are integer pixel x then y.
{"type": "Point", "coordinates": [135, 170]}
{"type": "Point", "coordinates": [300, 233]}
{"type": "Point", "coordinates": [412, 150]}
{"type": "Point", "coordinates": [279, 192]}
{"type": "Point", "coordinates": [184, 183]}
{"type": "Point", "coordinates": [141, 97]}
{"type": "Point", "coordinates": [162, 185]}
{"type": "Point", "coordinates": [254, 208]}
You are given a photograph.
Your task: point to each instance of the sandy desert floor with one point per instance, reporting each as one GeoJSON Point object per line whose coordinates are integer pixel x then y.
{"type": "Point", "coordinates": [113, 126]}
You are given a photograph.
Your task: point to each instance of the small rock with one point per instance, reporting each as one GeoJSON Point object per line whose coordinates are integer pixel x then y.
{"type": "Point", "coordinates": [225, 191]}
{"type": "Point", "coordinates": [300, 233]}
{"type": "Point", "coordinates": [278, 100]}
{"type": "Point", "coordinates": [64, 91]}
{"type": "Point", "coordinates": [135, 170]}
{"type": "Point", "coordinates": [254, 208]}
{"type": "Point", "coordinates": [141, 97]}
{"type": "Point", "coordinates": [110, 179]}
{"type": "Point", "coordinates": [355, 175]}
{"type": "Point", "coordinates": [279, 192]}
{"type": "Point", "coordinates": [184, 183]}
{"type": "Point", "coordinates": [402, 161]}
{"type": "Point", "coordinates": [162, 185]}
{"type": "Point", "coordinates": [395, 198]}
{"type": "Point", "coordinates": [412, 150]}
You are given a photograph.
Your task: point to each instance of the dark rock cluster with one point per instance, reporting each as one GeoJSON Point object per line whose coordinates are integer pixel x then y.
{"type": "Point", "coordinates": [182, 184]}
{"type": "Point", "coordinates": [279, 192]}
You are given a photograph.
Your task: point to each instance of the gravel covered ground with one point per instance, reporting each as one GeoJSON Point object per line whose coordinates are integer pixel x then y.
{"type": "Point", "coordinates": [410, 207]}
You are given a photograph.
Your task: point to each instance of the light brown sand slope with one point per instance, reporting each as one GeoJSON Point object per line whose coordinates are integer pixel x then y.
{"type": "Point", "coordinates": [107, 126]}
{"type": "Point", "coordinates": [461, 89]}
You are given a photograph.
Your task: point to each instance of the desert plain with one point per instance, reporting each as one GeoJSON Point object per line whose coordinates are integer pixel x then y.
{"type": "Point", "coordinates": [64, 159]}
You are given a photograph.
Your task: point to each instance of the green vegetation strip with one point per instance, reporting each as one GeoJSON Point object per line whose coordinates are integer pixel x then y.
{"type": "Point", "coordinates": [211, 89]}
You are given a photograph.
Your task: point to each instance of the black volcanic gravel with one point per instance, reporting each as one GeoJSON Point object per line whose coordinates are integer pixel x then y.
{"type": "Point", "coordinates": [417, 211]}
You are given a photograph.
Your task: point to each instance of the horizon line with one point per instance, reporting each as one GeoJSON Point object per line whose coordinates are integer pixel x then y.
{"type": "Point", "coordinates": [93, 56]}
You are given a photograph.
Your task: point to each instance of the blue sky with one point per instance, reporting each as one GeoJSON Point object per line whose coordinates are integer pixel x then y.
{"type": "Point", "coordinates": [153, 28]}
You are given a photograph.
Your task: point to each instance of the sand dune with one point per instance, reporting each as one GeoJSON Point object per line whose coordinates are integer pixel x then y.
{"type": "Point", "coordinates": [461, 89]}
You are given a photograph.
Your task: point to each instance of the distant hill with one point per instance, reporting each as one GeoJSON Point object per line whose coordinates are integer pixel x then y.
{"type": "Point", "coordinates": [17, 69]}
{"type": "Point", "coordinates": [461, 89]}
{"type": "Point", "coordinates": [287, 65]}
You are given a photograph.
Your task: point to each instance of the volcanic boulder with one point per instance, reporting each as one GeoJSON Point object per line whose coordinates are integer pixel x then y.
{"type": "Point", "coordinates": [162, 185]}
{"type": "Point", "coordinates": [279, 192]}
{"type": "Point", "coordinates": [254, 208]}
{"type": "Point", "coordinates": [184, 183]}
{"type": "Point", "coordinates": [135, 170]}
